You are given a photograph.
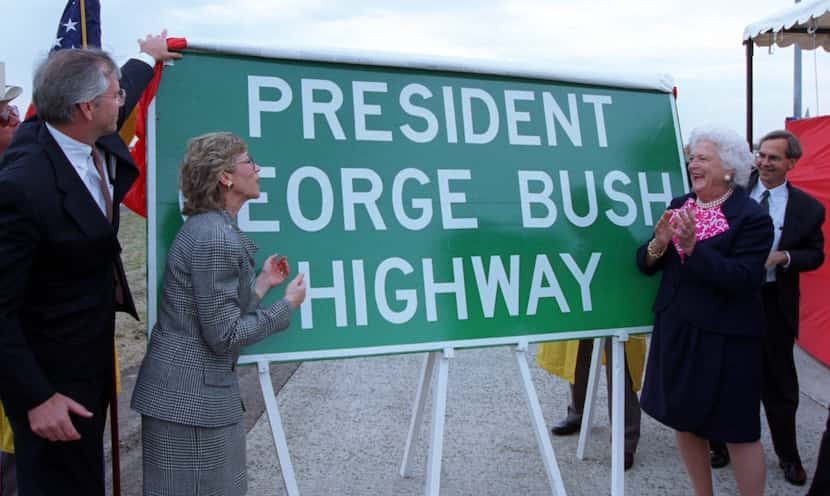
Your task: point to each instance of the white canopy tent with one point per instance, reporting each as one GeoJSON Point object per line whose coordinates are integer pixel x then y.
{"type": "Point", "coordinates": [806, 23]}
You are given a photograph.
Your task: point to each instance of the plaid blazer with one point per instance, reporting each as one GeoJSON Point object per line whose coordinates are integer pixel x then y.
{"type": "Point", "coordinates": [208, 310]}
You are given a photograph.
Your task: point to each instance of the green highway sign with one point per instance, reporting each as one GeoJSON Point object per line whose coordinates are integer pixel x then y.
{"type": "Point", "coordinates": [430, 204]}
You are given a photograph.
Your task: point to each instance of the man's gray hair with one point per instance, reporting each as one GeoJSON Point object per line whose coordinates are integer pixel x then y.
{"type": "Point", "coordinates": [732, 149]}
{"type": "Point", "coordinates": [68, 77]}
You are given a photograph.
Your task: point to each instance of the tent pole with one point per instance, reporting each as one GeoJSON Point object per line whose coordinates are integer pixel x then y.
{"type": "Point", "coordinates": [796, 79]}
{"type": "Point", "coordinates": [748, 44]}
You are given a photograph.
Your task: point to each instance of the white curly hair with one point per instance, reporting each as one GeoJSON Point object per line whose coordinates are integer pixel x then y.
{"type": "Point", "coordinates": [733, 150]}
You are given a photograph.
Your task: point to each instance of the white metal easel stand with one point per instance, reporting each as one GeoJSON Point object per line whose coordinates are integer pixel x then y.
{"type": "Point", "coordinates": [439, 409]}
{"type": "Point", "coordinates": [277, 432]}
{"type": "Point", "coordinates": [433, 362]}
{"type": "Point", "coordinates": [617, 408]}
{"type": "Point", "coordinates": [539, 426]}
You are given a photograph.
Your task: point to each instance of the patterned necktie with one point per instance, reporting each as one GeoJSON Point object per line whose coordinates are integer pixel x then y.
{"type": "Point", "coordinates": [105, 191]}
{"type": "Point", "coordinates": [765, 200]}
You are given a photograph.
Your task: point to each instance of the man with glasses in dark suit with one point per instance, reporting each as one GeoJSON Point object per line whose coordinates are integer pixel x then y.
{"type": "Point", "coordinates": [798, 247]}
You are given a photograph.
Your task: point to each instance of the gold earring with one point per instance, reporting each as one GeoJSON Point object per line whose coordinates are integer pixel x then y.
{"type": "Point", "coordinates": [229, 185]}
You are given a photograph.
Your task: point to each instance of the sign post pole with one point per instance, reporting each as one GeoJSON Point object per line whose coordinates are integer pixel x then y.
{"type": "Point", "coordinates": [418, 407]}
{"type": "Point", "coordinates": [278, 433]}
{"type": "Point", "coordinates": [539, 427]}
{"type": "Point", "coordinates": [439, 410]}
{"type": "Point", "coordinates": [618, 415]}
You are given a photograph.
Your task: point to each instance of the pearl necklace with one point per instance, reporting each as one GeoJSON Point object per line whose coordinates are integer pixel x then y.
{"type": "Point", "coordinates": [714, 203]}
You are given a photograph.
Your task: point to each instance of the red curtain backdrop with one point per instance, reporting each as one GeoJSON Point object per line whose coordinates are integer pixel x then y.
{"type": "Point", "coordinates": [812, 174]}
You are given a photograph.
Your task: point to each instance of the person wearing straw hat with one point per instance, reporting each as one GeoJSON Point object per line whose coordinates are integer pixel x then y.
{"type": "Point", "coordinates": [9, 117]}
{"type": "Point", "coordinates": [7, 94]}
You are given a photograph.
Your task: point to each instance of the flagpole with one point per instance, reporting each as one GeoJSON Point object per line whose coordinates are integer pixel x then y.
{"type": "Point", "coordinates": [115, 445]}
{"type": "Point", "coordinates": [83, 25]}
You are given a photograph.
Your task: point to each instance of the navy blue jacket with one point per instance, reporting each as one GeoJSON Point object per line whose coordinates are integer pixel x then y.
{"type": "Point", "coordinates": [717, 288]}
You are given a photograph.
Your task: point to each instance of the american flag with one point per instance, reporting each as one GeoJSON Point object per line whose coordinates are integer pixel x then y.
{"type": "Point", "coordinates": [80, 25]}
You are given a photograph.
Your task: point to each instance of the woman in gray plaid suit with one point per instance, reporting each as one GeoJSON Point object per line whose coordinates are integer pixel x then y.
{"type": "Point", "coordinates": [187, 390]}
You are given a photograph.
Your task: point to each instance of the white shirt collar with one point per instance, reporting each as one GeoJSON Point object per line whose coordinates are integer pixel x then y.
{"type": "Point", "coordinates": [774, 192]}
{"type": "Point", "coordinates": [75, 151]}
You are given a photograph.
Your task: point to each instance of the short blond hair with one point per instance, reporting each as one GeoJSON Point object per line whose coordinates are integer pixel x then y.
{"type": "Point", "coordinates": [206, 158]}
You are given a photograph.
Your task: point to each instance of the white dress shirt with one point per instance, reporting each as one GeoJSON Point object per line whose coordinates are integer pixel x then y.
{"type": "Point", "coordinates": [778, 197]}
{"type": "Point", "coordinates": [80, 156]}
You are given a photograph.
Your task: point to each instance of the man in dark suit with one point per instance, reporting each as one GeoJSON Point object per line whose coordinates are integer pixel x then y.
{"type": "Point", "coordinates": [61, 278]}
{"type": "Point", "coordinates": [798, 247]}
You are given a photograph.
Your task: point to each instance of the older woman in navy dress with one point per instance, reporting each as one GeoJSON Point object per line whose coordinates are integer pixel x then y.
{"type": "Point", "coordinates": [703, 377]}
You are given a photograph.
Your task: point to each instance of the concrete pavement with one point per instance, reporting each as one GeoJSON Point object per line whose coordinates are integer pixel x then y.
{"type": "Point", "coordinates": [346, 422]}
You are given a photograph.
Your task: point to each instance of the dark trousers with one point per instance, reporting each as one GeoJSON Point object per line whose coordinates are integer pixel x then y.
{"type": "Point", "coordinates": [821, 480]}
{"type": "Point", "coordinates": [46, 468]}
{"type": "Point", "coordinates": [779, 392]}
{"type": "Point", "coordinates": [8, 475]}
{"type": "Point", "coordinates": [579, 389]}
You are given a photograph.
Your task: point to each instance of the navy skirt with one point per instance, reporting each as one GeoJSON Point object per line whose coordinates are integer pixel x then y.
{"type": "Point", "coordinates": [704, 383]}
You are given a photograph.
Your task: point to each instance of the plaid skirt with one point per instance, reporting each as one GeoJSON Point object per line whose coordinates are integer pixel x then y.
{"type": "Point", "coordinates": [185, 460]}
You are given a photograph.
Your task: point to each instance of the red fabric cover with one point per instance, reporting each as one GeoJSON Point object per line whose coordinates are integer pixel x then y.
{"type": "Point", "coordinates": [812, 174]}
{"type": "Point", "coordinates": [136, 198]}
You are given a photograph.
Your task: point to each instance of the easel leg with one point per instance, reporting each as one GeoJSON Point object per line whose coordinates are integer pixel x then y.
{"type": "Point", "coordinates": [439, 409]}
{"type": "Point", "coordinates": [418, 410]}
{"type": "Point", "coordinates": [590, 398]}
{"type": "Point", "coordinates": [618, 416]}
{"type": "Point", "coordinates": [277, 431]}
{"type": "Point", "coordinates": [539, 427]}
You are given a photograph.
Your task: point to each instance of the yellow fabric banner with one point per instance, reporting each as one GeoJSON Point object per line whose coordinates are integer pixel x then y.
{"type": "Point", "coordinates": [559, 358]}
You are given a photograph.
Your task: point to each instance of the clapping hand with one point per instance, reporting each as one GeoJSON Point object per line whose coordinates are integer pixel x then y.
{"type": "Point", "coordinates": [295, 291]}
{"type": "Point", "coordinates": [683, 226]}
{"type": "Point", "coordinates": [663, 231]}
{"type": "Point", "coordinates": [274, 272]}
{"type": "Point", "coordinates": [275, 269]}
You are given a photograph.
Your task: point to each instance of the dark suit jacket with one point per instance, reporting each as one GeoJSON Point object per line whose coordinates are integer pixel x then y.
{"type": "Point", "coordinates": [57, 253]}
{"type": "Point", "coordinates": [802, 237]}
{"type": "Point", "coordinates": [717, 289]}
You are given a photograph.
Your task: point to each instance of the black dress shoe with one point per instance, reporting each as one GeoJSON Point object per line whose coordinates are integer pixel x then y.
{"type": "Point", "coordinates": [719, 456]}
{"type": "Point", "coordinates": [566, 428]}
{"type": "Point", "coordinates": [794, 473]}
{"type": "Point", "coordinates": [628, 461]}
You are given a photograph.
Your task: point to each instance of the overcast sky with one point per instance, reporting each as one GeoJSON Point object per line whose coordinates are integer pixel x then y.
{"type": "Point", "coordinates": [697, 43]}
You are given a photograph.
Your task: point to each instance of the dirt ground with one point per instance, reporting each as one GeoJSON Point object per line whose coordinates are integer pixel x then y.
{"type": "Point", "coordinates": [131, 334]}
